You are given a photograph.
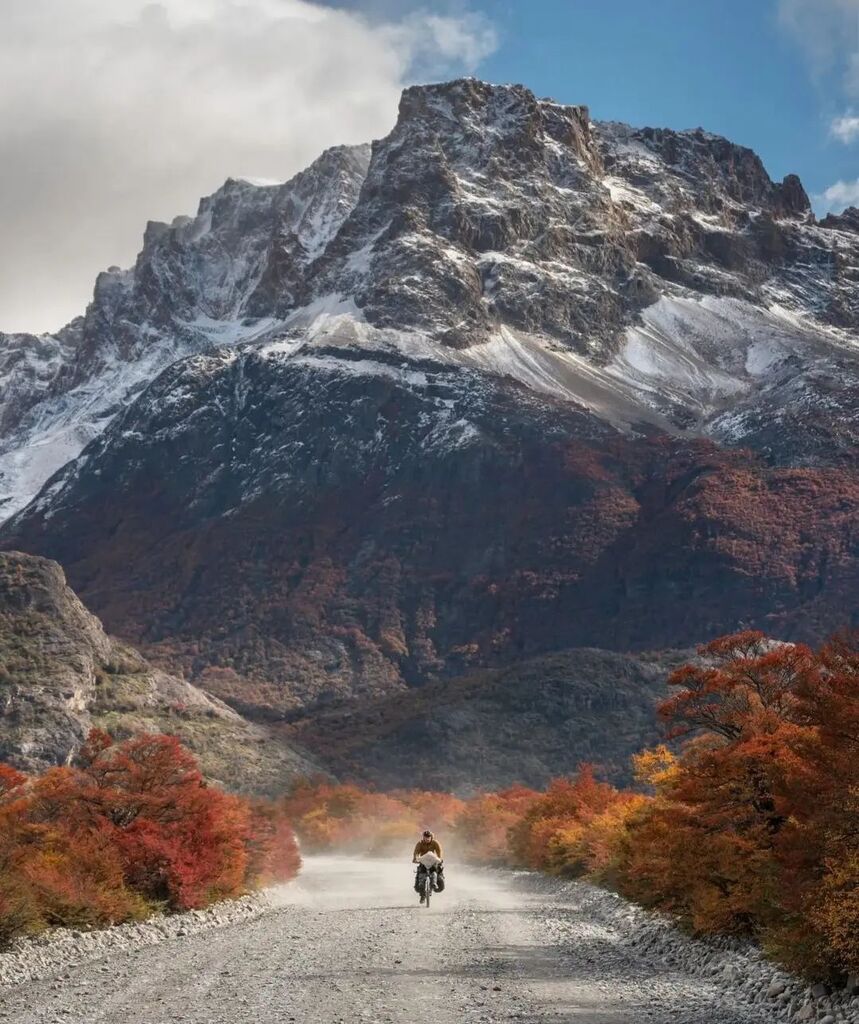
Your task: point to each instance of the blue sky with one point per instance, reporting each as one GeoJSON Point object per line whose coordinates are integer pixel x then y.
{"type": "Point", "coordinates": [771, 76]}
{"type": "Point", "coordinates": [774, 75]}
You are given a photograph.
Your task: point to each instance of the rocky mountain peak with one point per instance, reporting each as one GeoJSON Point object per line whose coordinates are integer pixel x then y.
{"type": "Point", "coordinates": [220, 277]}
{"type": "Point", "coordinates": [720, 172]}
{"type": "Point", "coordinates": [494, 120]}
{"type": "Point", "coordinates": [490, 229]}
{"type": "Point", "coordinates": [794, 198]}
{"type": "Point", "coordinates": [848, 220]}
{"type": "Point", "coordinates": [475, 183]}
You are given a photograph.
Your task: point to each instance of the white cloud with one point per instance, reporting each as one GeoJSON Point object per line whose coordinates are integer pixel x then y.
{"type": "Point", "coordinates": [468, 39]}
{"type": "Point", "coordinates": [113, 112]}
{"type": "Point", "coordinates": [827, 32]}
{"type": "Point", "coordinates": [845, 128]}
{"type": "Point", "coordinates": [825, 29]}
{"type": "Point", "coordinates": [838, 197]}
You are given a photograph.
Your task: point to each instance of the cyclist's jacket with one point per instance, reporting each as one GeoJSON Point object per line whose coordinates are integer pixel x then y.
{"type": "Point", "coordinates": [427, 846]}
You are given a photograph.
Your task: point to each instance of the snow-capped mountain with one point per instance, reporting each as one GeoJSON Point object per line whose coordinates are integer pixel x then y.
{"type": "Point", "coordinates": [511, 380]}
{"type": "Point", "coordinates": [198, 284]}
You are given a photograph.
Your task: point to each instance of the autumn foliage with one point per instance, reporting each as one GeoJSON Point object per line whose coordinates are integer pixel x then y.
{"type": "Point", "coordinates": [754, 829]}
{"type": "Point", "coordinates": [129, 828]}
{"type": "Point", "coordinates": [328, 816]}
{"type": "Point", "coordinates": [747, 823]}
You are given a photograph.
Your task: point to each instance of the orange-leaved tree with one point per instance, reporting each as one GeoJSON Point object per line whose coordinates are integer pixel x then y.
{"type": "Point", "coordinates": [753, 827]}
{"type": "Point", "coordinates": [484, 823]}
{"type": "Point", "coordinates": [550, 834]}
{"type": "Point", "coordinates": [271, 844]}
{"type": "Point", "coordinates": [129, 827]}
{"type": "Point", "coordinates": [182, 841]}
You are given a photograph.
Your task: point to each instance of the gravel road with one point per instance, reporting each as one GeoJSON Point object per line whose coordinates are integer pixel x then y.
{"type": "Point", "coordinates": [348, 942]}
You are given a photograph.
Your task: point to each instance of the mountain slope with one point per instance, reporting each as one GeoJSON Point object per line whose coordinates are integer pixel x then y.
{"type": "Point", "coordinates": [61, 675]}
{"type": "Point", "coordinates": [336, 533]}
{"type": "Point", "coordinates": [195, 286]}
{"type": "Point", "coordinates": [523, 382]}
{"type": "Point", "coordinates": [486, 216]}
{"type": "Point", "coordinates": [537, 720]}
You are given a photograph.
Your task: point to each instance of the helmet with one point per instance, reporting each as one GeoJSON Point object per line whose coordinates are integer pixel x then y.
{"type": "Point", "coordinates": [427, 834]}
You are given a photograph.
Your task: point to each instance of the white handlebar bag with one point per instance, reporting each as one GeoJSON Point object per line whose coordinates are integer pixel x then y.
{"type": "Point", "coordinates": [429, 860]}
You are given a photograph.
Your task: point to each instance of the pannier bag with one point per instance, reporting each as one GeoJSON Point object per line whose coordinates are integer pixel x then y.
{"type": "Point", "coordinates": [429, 861]}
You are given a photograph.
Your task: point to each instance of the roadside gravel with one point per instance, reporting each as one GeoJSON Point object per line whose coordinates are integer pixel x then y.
{"type": "Point", "coordinates": [64, 948]}
{"type": "Point", "coordinates": [740, 971]}
{"type": "Point", "coordinates": [348, 942]}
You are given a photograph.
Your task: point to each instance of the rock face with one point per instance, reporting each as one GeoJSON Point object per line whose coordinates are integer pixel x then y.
{"type": "Point", "coordinates": [195, 286]}
{"type": "Point", "coordinates": [61, 675]}
{"type": "Point", "coordinates": [487, 730]}
{"type": "Point", "coordinates": [511, 382]}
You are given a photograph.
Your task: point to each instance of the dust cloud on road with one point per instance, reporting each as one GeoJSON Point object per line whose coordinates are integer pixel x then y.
{"type": "Point", "coordinates": [348, 942]}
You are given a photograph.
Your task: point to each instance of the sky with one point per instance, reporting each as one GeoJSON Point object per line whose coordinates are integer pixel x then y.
{"type": "Point", "coordinates": [115, 112]}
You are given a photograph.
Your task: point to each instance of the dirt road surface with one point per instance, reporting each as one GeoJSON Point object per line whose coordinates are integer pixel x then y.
{"type": "Point", "coordinates": [348, 942]}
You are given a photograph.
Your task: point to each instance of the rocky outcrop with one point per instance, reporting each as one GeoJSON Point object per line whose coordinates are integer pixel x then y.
{"type": "Point", "coordinates": [61, 675]}
{"type": "Point", "coordinates": [848, 220]}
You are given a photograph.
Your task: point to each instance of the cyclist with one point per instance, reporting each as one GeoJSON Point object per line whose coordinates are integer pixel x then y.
{"type": "Point", "coordinates": [427, 844]}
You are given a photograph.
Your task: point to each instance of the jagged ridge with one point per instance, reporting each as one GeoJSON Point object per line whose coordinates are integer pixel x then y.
{"type": "Point", "coordinates": [484, 212]}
